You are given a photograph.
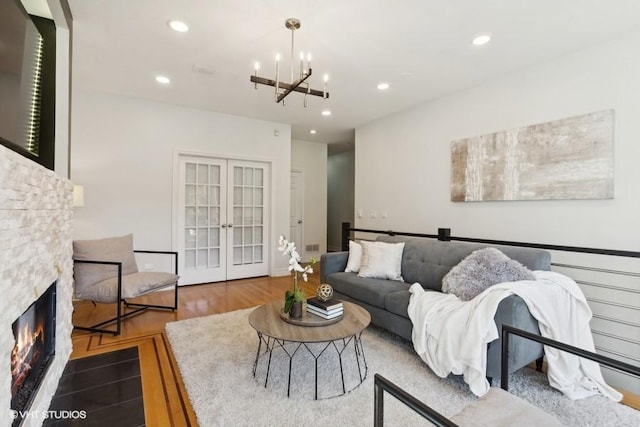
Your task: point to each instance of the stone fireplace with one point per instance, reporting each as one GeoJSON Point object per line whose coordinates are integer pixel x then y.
{"type": "Point", "coordinates": [35, 251]}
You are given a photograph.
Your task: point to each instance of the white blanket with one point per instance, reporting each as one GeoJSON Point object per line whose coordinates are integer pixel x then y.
{"type": "Point", "coordinates": [451, 335]}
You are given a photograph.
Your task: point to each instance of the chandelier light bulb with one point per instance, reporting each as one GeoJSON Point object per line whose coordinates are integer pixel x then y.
{"type": "Point", "coordinates": [301, 56]}
{"type": "Point", "coordinates": [326, 78]}
{"type": "Point", "coordinates": [277, 57]}
{"type": "Point", "coordinates": [256, 66]}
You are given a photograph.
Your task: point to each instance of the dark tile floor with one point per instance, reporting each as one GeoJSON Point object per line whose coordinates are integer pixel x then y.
{"type": "Point", "coordinates": [107, 386]}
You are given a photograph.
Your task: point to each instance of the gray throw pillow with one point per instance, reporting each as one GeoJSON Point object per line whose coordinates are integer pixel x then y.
{"type": "Point", "coordinates": [481, 269]}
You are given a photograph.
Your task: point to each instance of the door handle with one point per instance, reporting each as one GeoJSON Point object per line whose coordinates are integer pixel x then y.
{"type": "Point", "coordinates": [230, 225]}
{"type": "Point", "coordinates": [223, 226]}
{"type": "Point", "coordinates": [299, 221]}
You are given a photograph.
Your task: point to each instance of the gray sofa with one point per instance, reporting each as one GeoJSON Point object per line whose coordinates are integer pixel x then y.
{"type": "Point", "coordinates": [427, 261]}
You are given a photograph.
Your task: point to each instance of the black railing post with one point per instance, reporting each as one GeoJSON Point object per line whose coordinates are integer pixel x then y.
{"type": "Point", "coordinates": [444, 234]}
{"type": "Point", "coordinates": [346, 230]}
{"type": "Point", "coordinates": [504, 362]}
{"type": "Point", "coordinates": [378, 403]}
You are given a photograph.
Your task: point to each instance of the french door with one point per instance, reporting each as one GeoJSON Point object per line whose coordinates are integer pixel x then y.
{"type": "Point", "coordinates": [222, 219]}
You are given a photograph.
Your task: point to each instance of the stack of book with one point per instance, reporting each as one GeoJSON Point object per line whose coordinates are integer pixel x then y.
{"type": "Point", "coordinates": [325, 309]}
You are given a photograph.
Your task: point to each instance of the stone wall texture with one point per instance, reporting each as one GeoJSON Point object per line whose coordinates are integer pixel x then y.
{"type": "Point", "coordinates": [35, 251]}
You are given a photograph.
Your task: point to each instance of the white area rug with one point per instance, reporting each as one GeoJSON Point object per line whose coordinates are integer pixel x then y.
{"type": "Point", "coordinates": [215, 355]}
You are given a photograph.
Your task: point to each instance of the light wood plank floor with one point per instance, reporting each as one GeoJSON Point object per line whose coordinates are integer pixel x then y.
{"type": "Point", "coordinates": [165, 399]}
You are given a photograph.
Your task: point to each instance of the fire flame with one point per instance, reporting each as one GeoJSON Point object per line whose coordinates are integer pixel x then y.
{"type": "Point", "coordinates": [26, 350]}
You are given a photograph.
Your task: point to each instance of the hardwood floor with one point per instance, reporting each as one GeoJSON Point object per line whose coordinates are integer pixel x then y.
{"type": "Point", "coordinates": [165, 399]}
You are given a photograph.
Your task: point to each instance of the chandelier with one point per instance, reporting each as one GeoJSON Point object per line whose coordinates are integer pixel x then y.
{"type": "Point", "coordinates": [283, 89]}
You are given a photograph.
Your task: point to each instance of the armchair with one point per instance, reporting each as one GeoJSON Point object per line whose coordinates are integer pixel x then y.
{"type": "Point", "coordinates": [105, 271]}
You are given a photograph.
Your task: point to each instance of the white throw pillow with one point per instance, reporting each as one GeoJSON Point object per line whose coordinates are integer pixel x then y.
{"type": "Point", "coordinates": [381, 260]}
{"type": "Point", "coordinates": [355, 256]}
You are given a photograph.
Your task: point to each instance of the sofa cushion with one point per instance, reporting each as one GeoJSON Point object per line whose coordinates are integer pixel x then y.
{"type": "Point", "coordinates": [481, 270]}
{"type": "Point", "coordinates": [368, 290]}
{"type": "Point", "coordinates": [381, 260]}
{"type": "Point", "coordinates": [398, 302]}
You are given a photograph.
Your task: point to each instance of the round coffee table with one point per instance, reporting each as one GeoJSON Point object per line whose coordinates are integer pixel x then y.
{"type": "Point", "coordinates": [276, 334]}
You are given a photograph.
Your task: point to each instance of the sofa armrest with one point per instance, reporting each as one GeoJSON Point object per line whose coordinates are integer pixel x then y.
{"type": "Point", "coordinates": [332, 262]}
{"type": "Point", "coordinates": [513, 311]}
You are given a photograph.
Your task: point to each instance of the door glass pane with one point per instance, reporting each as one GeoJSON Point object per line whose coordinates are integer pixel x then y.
{"type": "Point", "coordinates": [214, 198]}
{"type": "Point", "coordinates": [202, 197]}
{"type": "Point", "coordinates": [237, 216]}
{"type": "Point", "coordinates": [248, 196]}
{"type": "Point", "coordinates": [248, 216]}
{"type": "Point", "coordinates": [258, 197]}
{"type": "Point", "coordinates": [203, 174]}
{"type": "Point", "coordinates": [237, 236]}
{"type": "Point", "coordinates": [248, 176]}
{"type": "Point", "coordinates": [190, 217]}
{"type": "Point", "coordinates": [214, 258]}
{"type": "Point", "coordinates": [214, 235]}
{"type": "Point", "coordinates": [248, 255]}
{"type": "Point", "coordinates": [237, 256]}
{"type": "Point", "coordinates": [258, 176]}
{"type": "Point", "coordinates": [257, 216]}
{"type": "Point", "coordinates": [190, 195]}
{"type": "Point", "coordinates": [237, 196]}
{"type": "Point", "coordinates": [190, 238]}
{"type": "Point", "coordinates": [203, 216]}
{"type": "Point", "coordinates": [257, 234]}
{"type": "Point", "coordinates": [203, 237]}
{"type": "Point", "coordinates": [257, 253]}
{"type": "Point", "coordinates": [237, 176]}
{"type": "Point", "coordinates": [190, 173]}
{"type": "Point", "coordinates": [214, 177]}
{"type": "Point", "coordinates": [214, 216]}
{"type": "Point", "coordinates": [248, 235]}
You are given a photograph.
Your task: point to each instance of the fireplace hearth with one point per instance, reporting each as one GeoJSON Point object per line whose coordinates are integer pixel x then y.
{"type": "Point", "coordinates": [34, 349]}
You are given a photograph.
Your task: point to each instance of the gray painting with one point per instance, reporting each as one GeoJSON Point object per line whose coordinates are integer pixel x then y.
{"type": "Point", "coordinates": [570, 158]}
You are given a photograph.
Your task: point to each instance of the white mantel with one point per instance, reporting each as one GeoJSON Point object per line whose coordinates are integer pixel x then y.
{"type": "Point", "coordinates": [35, 251]}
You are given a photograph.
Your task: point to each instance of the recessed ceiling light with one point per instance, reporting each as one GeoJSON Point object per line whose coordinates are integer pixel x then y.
{"type": "Point", "coordinates": [313, 131]}
{"type": "Point", "coordinates": [326, 112]}
{"type": "Point", "coordinates": [481, 39]}
{"type": "Point", "coordinates": [178, 26]}
{"type": "Point", "coordinates": [383, 86]}
{"type": "Point", "coordinates": [163, 80]}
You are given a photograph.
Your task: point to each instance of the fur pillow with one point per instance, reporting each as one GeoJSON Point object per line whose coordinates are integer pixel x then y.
{"type": "Point", "coordinates": [481, 269]}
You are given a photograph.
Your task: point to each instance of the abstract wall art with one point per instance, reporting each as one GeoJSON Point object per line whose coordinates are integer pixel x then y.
{"type": "Point", "coordinates": [570, 158]}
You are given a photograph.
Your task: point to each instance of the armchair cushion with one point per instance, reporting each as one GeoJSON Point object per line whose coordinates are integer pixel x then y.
{"type": "Point", "coordinates": [133, 285]}
{"type": "Point", "coordinates": [118, 249]}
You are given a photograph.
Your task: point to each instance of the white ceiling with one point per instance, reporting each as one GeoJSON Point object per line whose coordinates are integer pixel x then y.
{"type": "Point", "coordinates": [421, 47]}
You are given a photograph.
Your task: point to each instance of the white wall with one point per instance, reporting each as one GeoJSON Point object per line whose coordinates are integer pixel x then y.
{"type": "Point", "coordinates": [340, 182]}
{"type": "Point", "coordinates": [403, 167]}
{"type": "Point", "coordinates": [123, 149]}
{"type": "Point", "coordinates": [403, 161]}
{"type": "Point", "coordinates": [311, 159]}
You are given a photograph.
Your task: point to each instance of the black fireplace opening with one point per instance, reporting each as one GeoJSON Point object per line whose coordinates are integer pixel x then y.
{"type": "Point", "coordinates": [34, 333]}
